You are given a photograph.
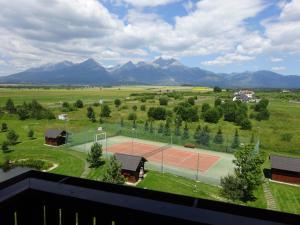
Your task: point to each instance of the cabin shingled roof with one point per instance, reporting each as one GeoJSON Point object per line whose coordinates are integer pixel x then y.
{"type": "Point", "coordinates": [129, 162]}
{"type": "Point", "coordinates": [53, 133]}
{"type": "Point", "coordinates": [285, 163]}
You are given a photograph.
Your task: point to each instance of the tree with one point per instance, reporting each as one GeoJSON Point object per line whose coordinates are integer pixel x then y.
{"type": "Point", "coordinates": [218, 139]}
{"type": "Point", "coordinates": [191, 100]}
{"type": "Point", "coordinates": [163, 101]}
{"type": "Point", "coordinates": [211, 115]}
{"type": "Point", "coordinates": [146, 126]}
{"type": "Point", "coordinates": [205, 107]}
{"type": "Point", "coordinates": [4, 127]}
{"type": "Point", "coordinates": [236, 140]}
{"type": "Point", "coordinates": [151, 129]}
{"type": "Point", "coordinates": [12, 137]}
{"type": "Point", "coordinates": [197, 132]}
{"type": "Point", "coordinates": [30, 133]}
{"type": "Point", "coordinates": [134, 108]}
{"type": "Point", "coordinates": [94, 156]}
{"type": "Point", "coordinates": [160, 128]}
{"type": "Point", "coordinates": [113, 172]}
{"type": "Point", "coordinates": [252, 140]}
{"type": "Point", "coordinates": [204, 136]}
{"type": "Point", "coordinates": [229, 111]}
{"type": "Point", "coordinates": [65, 105]}
{"type": "Point", "coordinates": [91, 114]}
{"type": "Point", "coordinates": [4, 146]}
{"type": "Point", "coordinates": [262, 104]}
{"type": "Point", "coordinates": [78, 104]}
{"type": "Point", "coordinates": [105, 111]}
{"type": "Point", "coordinates": [132, 116]}
{"type": "Point", "coordinates": [122, 122]}
{"type": "Point", "coordinates": [185, 134]}
{"type": "Point", "coordinates": [10, 107]}
{"type": "Point", "coordinates": [231, 187]}
{"type": "Point", "coordinates": [143, 108]}
{"type": "Point", "coordinates": [217, 89]}
{"type": "Point", "coordinates": [246, 124]}
{"type": "Point", "coordinates": [177, 130]}
{"type": "Point", "coordinates": [23, 113]}
{"type": "Point", "coordinates": [247, 175]}
{"type": "Point", "coordinates": [167, 131]}
{"type": "Point", "coordinates": [187, 112]}
{"type": "Point", "coordinates": [157, 113]}
{"type": "Point", "coordinates": [263, 114]}
{"type": "Point", "coordinates": [218, 102]}
{"type": "Point", "coordinates": [117, 103]}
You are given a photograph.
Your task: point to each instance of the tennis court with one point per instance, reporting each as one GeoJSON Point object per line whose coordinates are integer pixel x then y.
{"type": "Point", "coordinates": [207, 166]}
{"type": "Point", "coordinates": [170, 155]}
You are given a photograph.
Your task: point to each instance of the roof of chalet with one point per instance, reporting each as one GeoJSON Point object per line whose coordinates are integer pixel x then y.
{"type": "Point", "coordinates": [129, 162]}
{"type": "Point", "coordinates": [285, 163]}
{"type": "Point", "coordinates": [54, 133]}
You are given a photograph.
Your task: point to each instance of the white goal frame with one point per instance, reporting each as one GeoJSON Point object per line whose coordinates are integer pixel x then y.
{"type": "Point", "coordinates": [101, 138]}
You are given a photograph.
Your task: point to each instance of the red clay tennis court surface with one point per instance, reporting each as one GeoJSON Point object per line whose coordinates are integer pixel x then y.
{"type": "Point", "coordinates": [171, 156]}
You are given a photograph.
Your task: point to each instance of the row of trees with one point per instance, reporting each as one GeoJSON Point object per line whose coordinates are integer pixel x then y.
{"type": "Point", "coordinates": [32, 110]}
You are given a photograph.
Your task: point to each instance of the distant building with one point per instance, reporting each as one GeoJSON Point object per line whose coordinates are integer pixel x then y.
{"type": "Point", "coordinates": [55, 137]}
{"type": "Point", "coordinates": [244, 96]}
{"type": "Point", "coordinates": [63, 117]}
{"type": "Point", "coordinates": [285, 169]}
{"type": "Point", "coordinates": [132, 166]}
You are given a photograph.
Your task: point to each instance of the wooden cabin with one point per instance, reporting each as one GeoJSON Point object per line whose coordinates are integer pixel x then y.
{"type": "Point", "coordinates": [55, 137]}
{"type": "Point", "coordinates": [132, 166]}
{"type": "Point", "coordinates": [285, 169]}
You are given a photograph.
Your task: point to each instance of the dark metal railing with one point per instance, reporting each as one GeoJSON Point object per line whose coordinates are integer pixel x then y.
{"type": "Point", "coordinates": [36, 198]}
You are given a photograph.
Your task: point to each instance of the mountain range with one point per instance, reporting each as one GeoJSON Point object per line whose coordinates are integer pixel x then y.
{"type": "Point", "coordinates": [159, 72]}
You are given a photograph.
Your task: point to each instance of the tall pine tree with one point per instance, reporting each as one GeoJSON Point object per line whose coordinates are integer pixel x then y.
{"type": "Point", "coordinates": [219, 137]}
{"type": "Point", "coordinates": [236, 140]}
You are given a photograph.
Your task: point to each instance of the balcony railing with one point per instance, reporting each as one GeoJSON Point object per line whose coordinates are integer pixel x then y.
{"type": "Point", "coordinates": [36, 198]}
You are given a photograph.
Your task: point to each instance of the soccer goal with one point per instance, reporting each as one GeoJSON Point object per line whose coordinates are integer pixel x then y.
{"type": "Point", "coordinates": [101, 138]}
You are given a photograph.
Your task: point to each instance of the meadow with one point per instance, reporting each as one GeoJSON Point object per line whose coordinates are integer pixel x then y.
{"type": "Point", "coordinates": [285, 119]}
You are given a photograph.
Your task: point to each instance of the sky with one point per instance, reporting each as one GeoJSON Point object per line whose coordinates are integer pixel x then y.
{"type": "Point", "coordinates": [217, 35]}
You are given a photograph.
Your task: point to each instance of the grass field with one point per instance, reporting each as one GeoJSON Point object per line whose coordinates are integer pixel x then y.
{"type": "Point", "coordinates": [287, 197]}
{"type": "Point", "coordinates": [178, 185]}
{"type": "Point", "coordinates": [285, 119]}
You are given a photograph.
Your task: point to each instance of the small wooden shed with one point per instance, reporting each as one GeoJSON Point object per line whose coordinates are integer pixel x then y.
{"type": "Point", "coordinates": [285, 169]}
{"type": "Point", "coordinates": [132, 166]}
{"type": "Point", "coordinates": [55, 137]}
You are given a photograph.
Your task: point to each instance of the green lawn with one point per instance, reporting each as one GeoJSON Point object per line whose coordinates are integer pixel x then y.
{"type": "Point", "coordinates": [287, 197]}
{"type": "Point", "coordinates": [183, 186]}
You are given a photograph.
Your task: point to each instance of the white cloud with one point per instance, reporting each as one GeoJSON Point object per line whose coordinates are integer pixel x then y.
{"type": "Point", "coordinates": [227, 59]}
{"type": "Point", "coordinates": [278, 68]}
{"type": "Point", "coordinates": [148, 3]}
{"type": "Point", "coordinates": [274, 59]}
{"type": "Point", "coordinates": [284, 31]}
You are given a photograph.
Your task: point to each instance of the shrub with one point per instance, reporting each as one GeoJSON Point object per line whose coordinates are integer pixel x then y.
{"type": "Point", "coordinates": [246, 124]}
{"type": "Point", "coordinates": [143, 108]}
{"type": "Point", "coordinates": [132, 116]}
{"type": "Point", "coordinates": [286, 137]}
{"type": "Point", "coordinates": [163, 101]}
{"type": "Point", "coordinates": [4, 127]}
{"type": "Point", "coordinates": [157, 113]}
{"type": "Point", "coordinates": [105, 111]}
{"type": "Point", "coordinates": [30, 133]}
{"type": "Point", "coordinates": [4, 146]}
{"type": "Point", "coordinates": [78, 104]}
{"type": "Point", "coordinates": [189, 145]}
{"type": "Point", "coordinates": [134, 108]}
{"type": "Point", "coordinates": [12, 137]}
{"type": "Point", "coordinates": [117, 102]}
{"type": "Point", "coordinates": [191, 100]}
